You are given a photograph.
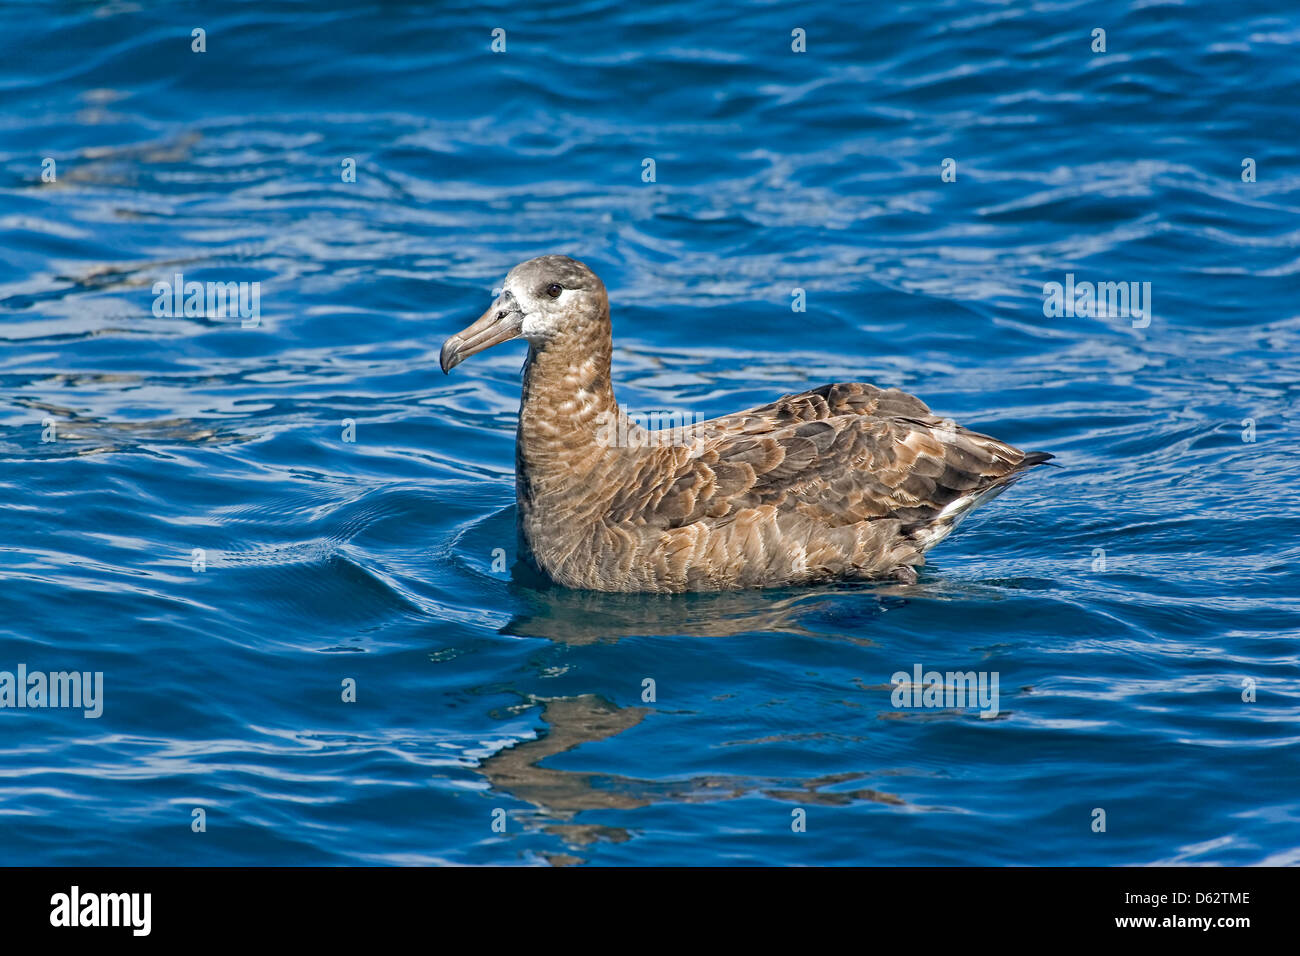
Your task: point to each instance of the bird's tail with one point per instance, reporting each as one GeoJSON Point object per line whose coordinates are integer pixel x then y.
{"type": "Point", "coordinates": [931, 531]}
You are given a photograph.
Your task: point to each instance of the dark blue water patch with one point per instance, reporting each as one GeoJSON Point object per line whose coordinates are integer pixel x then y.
{"type": "Point", "coordinates": [1137, 603]}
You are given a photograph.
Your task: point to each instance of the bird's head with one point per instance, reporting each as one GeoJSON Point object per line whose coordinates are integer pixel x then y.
{"type": "Point", "coordinates": [541, 300]}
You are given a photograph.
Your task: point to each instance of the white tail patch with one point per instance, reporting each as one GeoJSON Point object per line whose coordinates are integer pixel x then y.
{"type": "Point", "coordinates": [953, 513]}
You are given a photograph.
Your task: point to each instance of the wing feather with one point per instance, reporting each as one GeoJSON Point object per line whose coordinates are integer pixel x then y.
{"type": "Point", "coordinates": [840, 454]}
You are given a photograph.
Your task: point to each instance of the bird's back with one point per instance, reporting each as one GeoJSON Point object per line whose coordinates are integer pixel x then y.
{"type": "Point", "coordinates": [843, 481]}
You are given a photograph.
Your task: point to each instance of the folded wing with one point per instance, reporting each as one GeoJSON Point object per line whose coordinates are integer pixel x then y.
{"type": "Point", "coordinates": [840, 454]}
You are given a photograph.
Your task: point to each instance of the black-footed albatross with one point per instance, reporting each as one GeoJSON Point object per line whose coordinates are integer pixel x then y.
{"type": "Point", "coordinates": [846, 481]}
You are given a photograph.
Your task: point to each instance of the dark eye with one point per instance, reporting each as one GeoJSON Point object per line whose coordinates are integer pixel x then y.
{"type": "Point", "coordinates": [554, 290]}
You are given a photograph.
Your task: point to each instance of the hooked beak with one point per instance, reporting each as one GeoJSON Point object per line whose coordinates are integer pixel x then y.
{"type": "Point", "coordinates": [502, 322]}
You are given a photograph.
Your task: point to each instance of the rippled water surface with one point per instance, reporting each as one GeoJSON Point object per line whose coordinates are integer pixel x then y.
{"type": "Point", "coordinates": [1128, 601]}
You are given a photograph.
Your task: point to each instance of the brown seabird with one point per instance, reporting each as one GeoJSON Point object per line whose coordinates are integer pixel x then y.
{"type": "Point", "coordinates": [846, 481]}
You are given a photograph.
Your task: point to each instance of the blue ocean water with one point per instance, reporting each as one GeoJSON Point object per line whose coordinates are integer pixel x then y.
{"type": "Point", "coordinates": [184, 514]}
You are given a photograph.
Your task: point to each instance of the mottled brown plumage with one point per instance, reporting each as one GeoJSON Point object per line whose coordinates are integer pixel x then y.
{"type": "Point", "coordinates": [845, 481]}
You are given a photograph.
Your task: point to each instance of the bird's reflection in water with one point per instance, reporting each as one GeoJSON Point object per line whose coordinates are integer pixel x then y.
{"type": "Point", "coordinates": [560, 795]}
{"type": "Point", "coordinates": [591, 617]}
{"type": "Point", "coordinates": [843, 613]}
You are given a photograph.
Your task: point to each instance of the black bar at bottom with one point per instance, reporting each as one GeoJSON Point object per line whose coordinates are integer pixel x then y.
{"type": "Point", "coordinates": [330, 905]}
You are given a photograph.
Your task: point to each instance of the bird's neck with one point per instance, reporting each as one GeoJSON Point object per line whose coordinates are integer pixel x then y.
{"type": "Point", "coordinates": [565, 417]}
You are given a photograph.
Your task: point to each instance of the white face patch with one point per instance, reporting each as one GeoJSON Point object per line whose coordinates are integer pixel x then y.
{"type": "Point", "coordinates": [540, 320]}
{"type": "Point", "coordinates": [537, 325]}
